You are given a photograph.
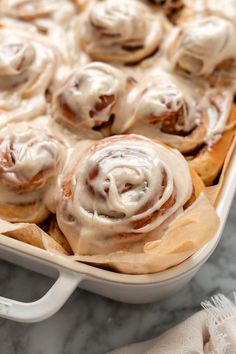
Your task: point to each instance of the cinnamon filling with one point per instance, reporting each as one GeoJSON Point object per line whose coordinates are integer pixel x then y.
{"type": "Point", "coordinates": [67, 187]}
{"type": "Point", "coordinates": [7, 158]}
{"type": "Point", "coordinates": [193, 153]}
{"type": "Point", "coordinates": [131, 81]}
{"type": "Point", "coordinates": [37, 182]}
{"type": "Point", "coordinates": [168, 204]}
{"type": "Point", "coordinates": [74, 118]}
{"type": "Point", "coordinates": [67, 112]}
{"type": "Point", "coordinates": [132, 48]}
{"type": "Point", "coordinates": [170, 7]}
{"type": "Point", "coordinates": [104, 101]}
{"type": "Point", "coordinates": [104, 125]}
{"type": "Point", "coordinates": [151, 54]}
{"type": "Point", "coordinates": [148, 220]}
{"type": "Point", "coordinates": [226, 64]}
{"type": "Point", "coordinates": [170, 121]}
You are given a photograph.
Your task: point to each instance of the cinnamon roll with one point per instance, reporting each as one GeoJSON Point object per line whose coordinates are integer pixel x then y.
{"type": "Point", "coordinates": [29, 161]}
{"type": "Point", "coordinates": [52, 19]}
{"type": "Point", "coordinates": [40, 12]}
{"type": "Point", "coordinates": [199, 46]}
{"type": "Point", "coordinates": [120, 31]}
{"type": "Point", "coordinates": [90, 99]}
{"type": "Point", "coordinates": [196, 120]}
{"type": "Point", "coordinates": [121, 192]}
{"type": "Point", "coordinates": [208, 160]}
{"type": "Point", "coordinates": [27, 66]}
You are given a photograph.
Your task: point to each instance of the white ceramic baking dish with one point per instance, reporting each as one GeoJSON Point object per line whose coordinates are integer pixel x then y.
{"type": "Point", "coordinates": [121, 287]}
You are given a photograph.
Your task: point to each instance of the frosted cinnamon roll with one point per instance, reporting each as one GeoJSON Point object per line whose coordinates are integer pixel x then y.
{"type": "Point", "coordinates": [50, 18]}
{"type": "Point", "coordinates": [27, 66]}
{"type": "Point", "coordinates": [41, 12]}
{"type": "Point", "coordinates": [210, 156]}
{"type": "Point", "coordinates": [201, 45]}
{"type": "Point", "coordinates": [193, 119]}
{"type": "Point", "coordinates": [123, 31]}
{"type": "Point", "coordinates": [168, 112]}
{"type": "Point", "coordinates": [121, 192]}
{"type": "Point", "coordinates": [90, 99]}
{"type": "Point", "coordinates": [29, 160]}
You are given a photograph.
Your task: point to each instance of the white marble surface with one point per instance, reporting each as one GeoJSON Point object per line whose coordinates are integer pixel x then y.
{"type": "Point", "coordinates": [90, 324]}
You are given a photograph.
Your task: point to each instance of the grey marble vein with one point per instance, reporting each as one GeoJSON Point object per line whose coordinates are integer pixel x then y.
{"type": "Point", "coordinates": [90, 324]}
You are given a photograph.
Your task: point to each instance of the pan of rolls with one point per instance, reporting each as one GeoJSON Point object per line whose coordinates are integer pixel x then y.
{"type": "Point", "coordinates": [117, 124]}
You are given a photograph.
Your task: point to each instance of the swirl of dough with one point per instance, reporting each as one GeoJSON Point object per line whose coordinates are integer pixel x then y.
{"type": "Point", "coordinates": [118, 191]}
{"type": "Point", "coordinates": [89, 100]}
{"type": "Point", "coordinates": [201, 45]}
{"type": "Point", "coordinates": [122, 31]}
{"type": "Point", "coordinates": [27, 66]}
{"type": "Point", "coordinates": [29, 160]}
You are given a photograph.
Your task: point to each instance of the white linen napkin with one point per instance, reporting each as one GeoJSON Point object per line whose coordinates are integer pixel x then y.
{"type": "Point", "coordinates": [211, 331]}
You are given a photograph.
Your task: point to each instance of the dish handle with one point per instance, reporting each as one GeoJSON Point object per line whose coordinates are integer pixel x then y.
{"type": "Point", "coordinates": [46, 306]}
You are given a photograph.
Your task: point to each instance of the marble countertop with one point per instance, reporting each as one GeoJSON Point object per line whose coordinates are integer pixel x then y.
{"type": "Point", "coordinates": [90, 324]}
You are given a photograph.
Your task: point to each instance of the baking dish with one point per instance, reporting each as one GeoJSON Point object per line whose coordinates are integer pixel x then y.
{"type": "Point", "coordinates": [126, 288]}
